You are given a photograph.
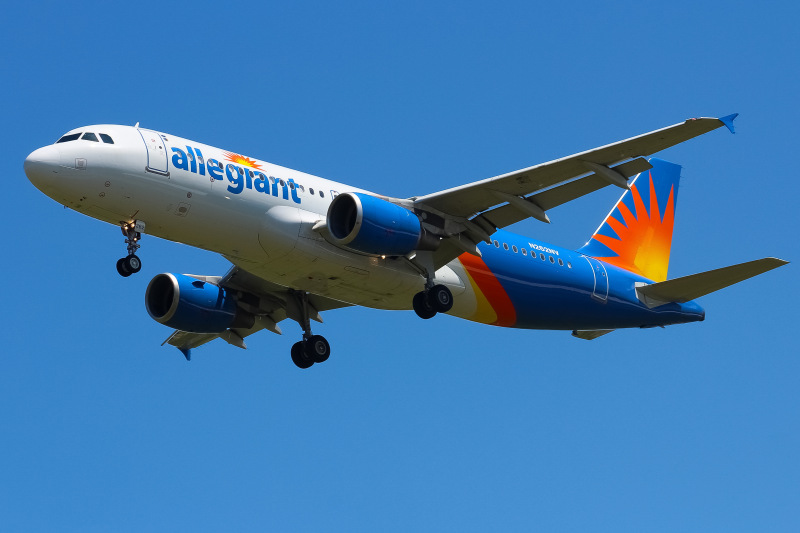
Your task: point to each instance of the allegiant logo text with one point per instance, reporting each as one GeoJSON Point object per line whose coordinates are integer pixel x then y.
{"type": "Point", "coordinates": [238, 177]}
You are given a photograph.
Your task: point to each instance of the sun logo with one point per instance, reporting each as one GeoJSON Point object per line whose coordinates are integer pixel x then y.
{"type": "Point", "coordinates": [242, 160]}
{"type": "Point", "coordinates": [644, 237]}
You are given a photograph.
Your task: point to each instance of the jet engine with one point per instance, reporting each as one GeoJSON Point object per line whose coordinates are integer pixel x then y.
{"type": "Point", "coordinates": [371, 225]}
{"type": "Point", "coordinates": [189, 304]}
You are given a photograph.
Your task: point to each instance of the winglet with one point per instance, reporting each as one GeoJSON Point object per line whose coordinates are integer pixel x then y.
{"type": "Point", "coordinates": [728, 121]}
{"type": "Point", "coordinates": [187, 353]}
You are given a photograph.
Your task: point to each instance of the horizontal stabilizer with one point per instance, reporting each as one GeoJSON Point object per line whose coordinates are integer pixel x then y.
{"type": "Point", "coordinates": [590, 334]}
{"type": "Point", "coordinates": [687, 288]}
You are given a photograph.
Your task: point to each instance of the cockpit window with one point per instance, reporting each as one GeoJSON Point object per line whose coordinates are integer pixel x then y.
{"type": "Point", "coordinates": [67, 138]}
{"type": "Point", "coordinates": [106, 138]}
{"type": "Point", "coordinates": [89, 137]}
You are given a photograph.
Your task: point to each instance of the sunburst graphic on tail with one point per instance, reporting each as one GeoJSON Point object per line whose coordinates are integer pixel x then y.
{"type": "Point", "coordinates": [637, 234]}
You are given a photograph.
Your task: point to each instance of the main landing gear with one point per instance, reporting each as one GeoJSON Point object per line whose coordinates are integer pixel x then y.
{"type": "Point", "coordinates": [436, 299]}
{"type": "Point", "coordinates": [131, 264]}
{"type": "Point", "coordinates": [313, 348]}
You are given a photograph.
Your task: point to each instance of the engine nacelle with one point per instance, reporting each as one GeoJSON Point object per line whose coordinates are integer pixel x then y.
{"type": "Point", "coordinates": [189, 304]}
{"type": "Point", "coordinates": [373, 226]}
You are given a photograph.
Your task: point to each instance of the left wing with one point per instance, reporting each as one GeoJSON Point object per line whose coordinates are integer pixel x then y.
{"type": "Point", "coordinates": [467, 200]}
{"type": "Point", "coordinates": [269, 302]}
{"type": "Point", "coordinates": [470, 213]}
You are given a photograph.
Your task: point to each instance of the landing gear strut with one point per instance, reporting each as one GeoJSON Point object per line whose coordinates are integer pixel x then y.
{"type": "Point", "coordinates": [131, 264]}
{"type": "Point", "coordinates": [313, 348]}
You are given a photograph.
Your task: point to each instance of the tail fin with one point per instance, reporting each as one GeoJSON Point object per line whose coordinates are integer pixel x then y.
{"type": "Point", "coordinates": [637, 234]}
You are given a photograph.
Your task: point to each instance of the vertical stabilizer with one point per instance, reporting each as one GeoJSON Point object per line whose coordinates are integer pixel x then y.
{"type": "Point", "coordinates": [637, 234]}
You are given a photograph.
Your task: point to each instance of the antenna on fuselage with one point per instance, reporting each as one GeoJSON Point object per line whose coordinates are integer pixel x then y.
{"type": "Point", "coordinates": [137, 125]}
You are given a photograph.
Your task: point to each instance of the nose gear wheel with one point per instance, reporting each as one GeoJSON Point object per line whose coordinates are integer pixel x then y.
{"type": "Point", "coordinates": [129, 265]}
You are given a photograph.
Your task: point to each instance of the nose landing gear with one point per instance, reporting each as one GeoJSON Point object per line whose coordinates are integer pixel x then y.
{"type": "Point", "coordinates": [131, 264]}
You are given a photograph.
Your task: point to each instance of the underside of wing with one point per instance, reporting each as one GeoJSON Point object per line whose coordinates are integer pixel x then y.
{"type": "Point", "coordinates": [269, 304]}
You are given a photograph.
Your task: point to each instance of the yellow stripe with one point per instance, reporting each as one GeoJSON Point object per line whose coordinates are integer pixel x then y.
{"type": "Point", "coordinates": [484, 312]}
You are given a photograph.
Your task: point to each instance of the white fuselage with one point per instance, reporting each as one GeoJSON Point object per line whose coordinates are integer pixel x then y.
{"type": "Point", "coordinates": [258, 215]}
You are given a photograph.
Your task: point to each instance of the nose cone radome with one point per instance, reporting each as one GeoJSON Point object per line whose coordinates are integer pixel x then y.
{"type": "Point", "coordinates": [41, 166]}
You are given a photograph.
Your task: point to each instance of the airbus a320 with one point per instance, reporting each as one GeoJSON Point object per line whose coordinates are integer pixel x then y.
{"type": "Point", "coordinates": [301, 245]}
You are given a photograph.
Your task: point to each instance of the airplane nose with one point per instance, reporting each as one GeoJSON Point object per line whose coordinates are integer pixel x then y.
{"type": "Point", "coordinates": [42, 165]}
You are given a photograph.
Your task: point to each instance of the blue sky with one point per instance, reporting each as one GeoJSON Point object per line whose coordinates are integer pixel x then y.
{"type": "Point", "coordinates": [411, 425]}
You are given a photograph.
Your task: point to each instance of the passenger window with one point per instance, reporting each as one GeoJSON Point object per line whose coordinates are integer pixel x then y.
{"type": "Point", "coordinates": [552, 260]}
{"type": "Point", "coordinates": [89, 137]}
{"type": "Point", "coordinates": [561, 262]}
{"type": "Point", "coordinates": [241, 171]}
{"type": "Point", "coordinates": [496, 244]}
{"type": "Point", "coordinates": [67, 138]}
{"type": "Point", "coordinates": [524, 251]}
{"type": "Point", "coordinates": [569, 265]}
{"type": "Point", "coordinates": [291, 185]}
{"type": "Point", "coordinates": [321, 194]}
{"type": "Point", "coordinates": [541, 256]}
{"type": "Point", "coordinates": [250, 173]}
{"type": "Point", "coordinates": [283, 184]}
{"type": "Point", "coordinates": [310, 190]}
{"type": "Point", "coordinates": [505, 246]}
{"type": "Point", "coordinates": [302, 189]}
{"type": "Point", "coordinates": [106, 138]}
{"type": "Point", "coordinates": [514, 248]}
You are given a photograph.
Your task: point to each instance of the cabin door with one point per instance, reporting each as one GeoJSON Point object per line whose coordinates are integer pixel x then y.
{"type": "Point", "coordinates": [156, 152]}
{"type": "Point", "coordinates": [600, 291]}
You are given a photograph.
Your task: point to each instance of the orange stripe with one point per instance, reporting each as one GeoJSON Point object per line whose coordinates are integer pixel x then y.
{"type": "Point", "coordinates": [491, 289]}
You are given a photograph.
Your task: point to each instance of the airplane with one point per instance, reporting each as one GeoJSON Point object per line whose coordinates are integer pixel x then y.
{"type": "Point", "coordinates": [301, 245]}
